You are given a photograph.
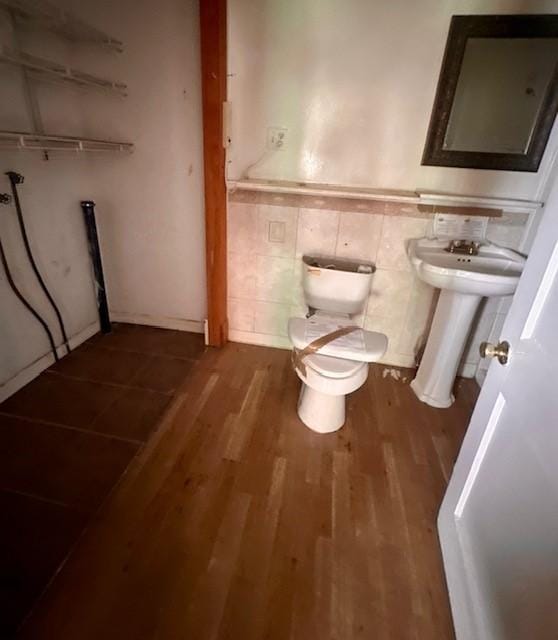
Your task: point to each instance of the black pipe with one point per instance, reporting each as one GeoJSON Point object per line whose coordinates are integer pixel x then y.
{"type": "Point", "coordinates": [22, 299]}
{"type": "Point", "coordinates": [15, 179]}
{"type": "Point", "coordinates": [88, 208]}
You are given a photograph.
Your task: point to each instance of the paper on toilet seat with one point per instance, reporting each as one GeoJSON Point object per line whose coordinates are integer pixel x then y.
{"type": "Point", "coordinates": [316, 328]}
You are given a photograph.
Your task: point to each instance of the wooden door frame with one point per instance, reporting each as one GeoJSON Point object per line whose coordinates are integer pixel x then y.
{"type": "Point", "coordinates": [213, 38]}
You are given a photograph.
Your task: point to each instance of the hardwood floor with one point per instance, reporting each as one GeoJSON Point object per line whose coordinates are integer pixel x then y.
{"type": "Point", "coordinates": [237, 522]}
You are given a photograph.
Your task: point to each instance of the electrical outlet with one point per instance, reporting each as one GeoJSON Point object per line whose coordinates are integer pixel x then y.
{"type": "Point", "coordinates": [276, 137]}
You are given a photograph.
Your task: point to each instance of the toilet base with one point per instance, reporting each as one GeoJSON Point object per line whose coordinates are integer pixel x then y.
{"type": "Point", "coordinates": [319, 411]}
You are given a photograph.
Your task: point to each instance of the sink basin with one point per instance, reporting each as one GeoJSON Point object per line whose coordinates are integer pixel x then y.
{"type": "Point", "coordinates": [464, 281]}
{"type": "Point", "coordinates": [495, 271]}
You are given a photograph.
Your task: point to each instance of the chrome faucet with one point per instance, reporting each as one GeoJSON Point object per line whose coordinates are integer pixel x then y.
{"type": "Point", "coordinates": [469, 248]}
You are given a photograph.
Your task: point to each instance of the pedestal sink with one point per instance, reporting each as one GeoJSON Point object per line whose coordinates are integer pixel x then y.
{"type": "Point", "coordinates": [464, 280]}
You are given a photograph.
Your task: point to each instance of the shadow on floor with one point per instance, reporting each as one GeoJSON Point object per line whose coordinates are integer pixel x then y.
{"type": "Point", "coordinates": [65, 441]}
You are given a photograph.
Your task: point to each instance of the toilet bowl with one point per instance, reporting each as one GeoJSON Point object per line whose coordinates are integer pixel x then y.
{"type": "Point", "coordinates": [325, 383]}
{"type": "Point", "coordinates": [330, 369]}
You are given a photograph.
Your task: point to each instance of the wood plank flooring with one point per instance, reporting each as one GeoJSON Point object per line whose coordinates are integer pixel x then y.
{"type": "Point", "coordinates": [237, 522]}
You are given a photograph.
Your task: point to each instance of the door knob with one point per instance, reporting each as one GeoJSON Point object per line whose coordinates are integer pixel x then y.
{"type": "Point", "coordinates": [500, 351]}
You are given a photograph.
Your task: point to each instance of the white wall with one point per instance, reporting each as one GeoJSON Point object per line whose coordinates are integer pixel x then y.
{"type": "Point", "coordinates": [149, 204]}
{"type": "Point", "coordinates": [50, 199]}
{"type": "Point", "coordinates": [353, 81]}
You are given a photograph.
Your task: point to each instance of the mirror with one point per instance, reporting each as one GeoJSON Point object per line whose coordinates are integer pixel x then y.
{"type": "Point", "coordinates": [497, 95]}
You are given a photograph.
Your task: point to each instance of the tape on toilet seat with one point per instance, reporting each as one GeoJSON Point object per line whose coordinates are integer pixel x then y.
{"type": "Point", "coordinates": [298, 355]}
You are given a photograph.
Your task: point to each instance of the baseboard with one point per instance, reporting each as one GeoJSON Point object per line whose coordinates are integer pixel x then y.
{"type": "Point", "coordinates": [30, 372]}
{"type": "Point", "coordinates": [163, 322]}
{"type": "Point", "coordinates": [260, 339]}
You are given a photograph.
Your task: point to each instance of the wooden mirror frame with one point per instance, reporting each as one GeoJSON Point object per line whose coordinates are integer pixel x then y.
{"type": "Point", "coordinates": [488, 26]}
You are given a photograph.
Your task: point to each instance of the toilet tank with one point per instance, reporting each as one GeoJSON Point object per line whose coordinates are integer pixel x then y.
{"type": "Point", "coordinates": [336, 285]}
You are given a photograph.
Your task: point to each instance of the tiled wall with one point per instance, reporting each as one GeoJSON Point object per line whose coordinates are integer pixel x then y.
{"type": "Point", "coordinates": [266, 243]}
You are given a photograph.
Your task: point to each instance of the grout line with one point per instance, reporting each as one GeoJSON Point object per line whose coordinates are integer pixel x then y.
{"type": "Point", "coordinates": [335, 249]}
{"type": "Point", "coordinates": [170, 395]}
{"type": "Point", "coordinates": [34, 496]}
{"type": "Point", "coordinates": [92, 516]}
{"type": "Point", "coordinates": [297, 222]}
{"type": "Point", "coordinates": [143, 353]}
{"type": "Point", "coordinates": [58, 425]}
{"type": "Point", "coordinates": [109, 384]}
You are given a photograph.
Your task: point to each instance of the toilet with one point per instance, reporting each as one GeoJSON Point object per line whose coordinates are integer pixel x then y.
{"type": "Point", "coordinates": [335, 291]}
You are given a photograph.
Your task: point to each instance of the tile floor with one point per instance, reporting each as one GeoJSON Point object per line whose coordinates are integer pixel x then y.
{"type": "Point", "coordinates": [65, 441]}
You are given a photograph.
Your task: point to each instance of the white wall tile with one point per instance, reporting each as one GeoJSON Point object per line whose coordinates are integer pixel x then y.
{"type": "Point", "coordinates": [390, 292]}
{"type": "Point", "coordinates": [242, 227]}
{"type": "Point", "coordinates": [265, 277]}
{"type": "Point", "coordinates": [419, 312]}
{"type": "Point", "coordinates": [390, 327]}
{"type": "Point", "coordinates": [505, 232]}
{"type": "Point", "coordinates": [359, 236]}
{"type": "Point", "coordinates": [241, 275]}
{"type": "Point", "coordinates": [317, 232]}
{"type": "Point", "coordinates": [272, 215]}
{"type": "Point", "coordinates": [395, 232]}
{"type": "Point", "coordinates": [271, 318]}
{"type": "Point", "coordinates": [380, 324]}
{"type": "Point", "coordinates": [241, 314]}
{"type": "Point", "coordinates": [274, 278]}
{"type": "Point", "coordinates": [300, 311]}
{"type": "Point", "coordinates": [263, 339]}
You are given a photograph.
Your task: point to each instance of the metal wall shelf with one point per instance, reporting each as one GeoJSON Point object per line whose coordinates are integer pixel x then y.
{"type": "Point", "coordinates": [42, 14]}
{"type": "Point", "coordinates": [54, 72]}
{"type": "Point", "coordinates": [36, 142]}
{"type": "Point", "coordinates": [47, 16]}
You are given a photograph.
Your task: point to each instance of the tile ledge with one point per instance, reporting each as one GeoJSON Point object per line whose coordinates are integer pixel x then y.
{"type": "Point", "coordinates": [418, 197]}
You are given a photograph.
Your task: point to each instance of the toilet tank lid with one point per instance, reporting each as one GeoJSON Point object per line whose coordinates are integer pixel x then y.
{"type": "Point", "coordinates": [361, 345]}
{"type": "Point", "coordinates": [339, 264]}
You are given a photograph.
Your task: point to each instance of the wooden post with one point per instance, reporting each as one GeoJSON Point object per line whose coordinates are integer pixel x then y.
{"type": "Point", "coordinates": [213, 27]}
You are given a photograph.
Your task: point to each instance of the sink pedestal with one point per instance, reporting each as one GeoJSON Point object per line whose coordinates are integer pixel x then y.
{"type": "Point", "coordinates": [450, 328]}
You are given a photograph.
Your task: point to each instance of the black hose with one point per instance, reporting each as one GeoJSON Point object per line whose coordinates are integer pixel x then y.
{"type": "Point", "coordinates": [15, 179]}
{"type": "Point", "coordinates": [24, 301]}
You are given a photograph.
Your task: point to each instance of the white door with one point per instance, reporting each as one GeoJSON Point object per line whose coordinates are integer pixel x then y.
{"type": "Point", "coordinates": [498, 523]}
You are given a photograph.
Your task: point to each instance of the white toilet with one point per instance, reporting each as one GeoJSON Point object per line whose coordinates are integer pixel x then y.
{"type": "Point", "coordinates": [335, 291]}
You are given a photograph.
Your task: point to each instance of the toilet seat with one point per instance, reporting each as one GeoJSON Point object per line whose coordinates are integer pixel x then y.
{"type": "Point", "coordinates": [360, 346]}
{"type": "Point", "coordinates": [333, 367]}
